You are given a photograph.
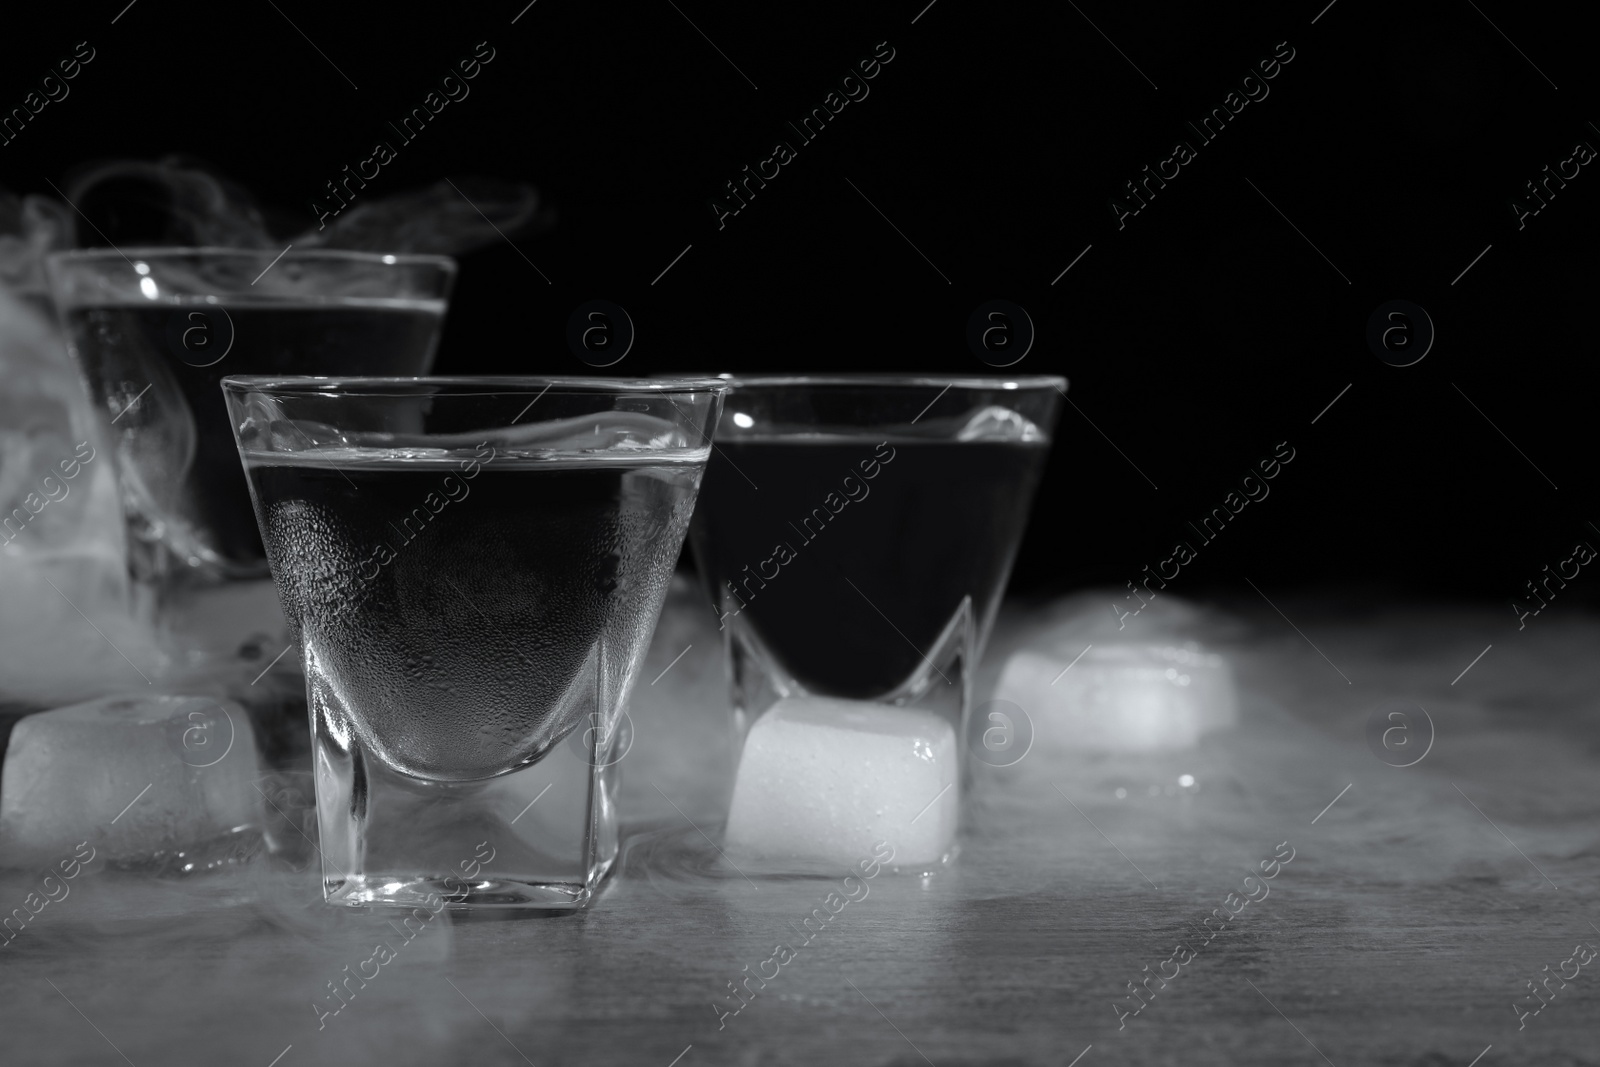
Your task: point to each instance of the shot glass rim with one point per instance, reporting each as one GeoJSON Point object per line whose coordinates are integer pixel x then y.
{"type": "Point", "coordinates": [381, 259]}
{"type": "Point", "coordinates": [881, 380]}
{"type": "Point", "coordinates": [369, 385]}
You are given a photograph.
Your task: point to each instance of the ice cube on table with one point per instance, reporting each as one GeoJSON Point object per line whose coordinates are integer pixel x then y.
{"type": "Point", "coordinates": [1122, 697]}
{"type": "Point", "coordinates": [135, 776]}
{"type": "Point", "coordinates": [822, 781]}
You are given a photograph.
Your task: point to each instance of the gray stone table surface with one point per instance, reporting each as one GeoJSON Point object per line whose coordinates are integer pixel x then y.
{"type": "Point", "coordinates": [1418, 902]}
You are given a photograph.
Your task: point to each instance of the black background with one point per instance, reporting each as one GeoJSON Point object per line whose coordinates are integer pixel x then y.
{"type": "Point", "coordinates": [1196, 338]}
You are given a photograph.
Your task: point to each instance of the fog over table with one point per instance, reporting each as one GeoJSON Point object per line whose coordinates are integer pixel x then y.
{"type": "Point", "coordinates": [1089, 867]}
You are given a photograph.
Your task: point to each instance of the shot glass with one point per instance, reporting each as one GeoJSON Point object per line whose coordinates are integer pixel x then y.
{"type": "Point", "coordinates": [855, 535]}
{"type": "Point", "coordinates": [473, 568]}
{"type": "Point", "coordinates": [154, 330]}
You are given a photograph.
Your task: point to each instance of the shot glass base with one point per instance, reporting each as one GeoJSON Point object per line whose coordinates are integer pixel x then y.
{"type": "Point", "coordinates": [492, 894]}
{"type": "Point", "coordinates": [540, 838]}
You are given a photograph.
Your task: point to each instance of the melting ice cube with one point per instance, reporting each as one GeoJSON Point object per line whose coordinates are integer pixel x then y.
{"type": "Point", "coordinates": [1122, 697]}
{"type": "Point", "coordinates": [822, 781]}
{"type": "Point", "coordinates": [135, 776]}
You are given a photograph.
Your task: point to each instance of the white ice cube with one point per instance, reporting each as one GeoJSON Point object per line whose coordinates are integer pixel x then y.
{"type": "Point", "coordinates": [822, 781]}
{"type": "Point", "coordinates": [995, 423]}
{"type": "Point", "coordinates": [133, 775]}
{"type": "Point", "coordinates": [1122, 697]}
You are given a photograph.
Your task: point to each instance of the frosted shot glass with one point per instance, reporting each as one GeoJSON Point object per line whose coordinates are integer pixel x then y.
{"type": "Point", "coordinates": [473, 568]}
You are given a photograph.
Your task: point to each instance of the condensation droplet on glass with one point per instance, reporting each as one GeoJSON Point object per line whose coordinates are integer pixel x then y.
{"type": "Point", "coordinates": [1121, 793]}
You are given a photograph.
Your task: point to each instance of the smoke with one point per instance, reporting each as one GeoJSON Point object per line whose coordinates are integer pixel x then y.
{"type": "Point", "coordinates": [173, 202]}
{"type": "Point", "coordinates": [439, 219]}
{"type": "Point", "coordinates": [29, 228]}
{"type": "Point", "coordinates": [182, 201]}
{"type": "Point", "coordinates": [66, 628]}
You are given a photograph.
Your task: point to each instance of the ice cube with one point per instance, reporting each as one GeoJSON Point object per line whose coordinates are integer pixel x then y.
{"type": "Point", "coordinates": [1122, 697]}
{"type": "Point", "coordinates": [995, 423]}
{"type": "Point", "coordinates": [136, 776]}
{"type": "Point", "coordinates": [822, 781]}
{"type": "Point", "coordinates": [61, 527]}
